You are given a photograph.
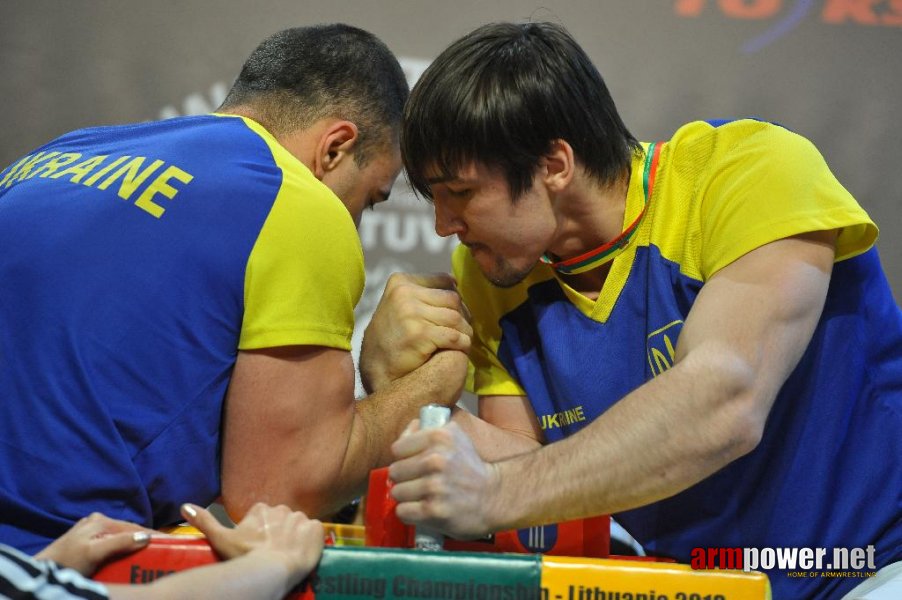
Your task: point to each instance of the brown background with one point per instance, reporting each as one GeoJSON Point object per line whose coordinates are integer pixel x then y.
{"type": "Point", "coordinates": [830, 70]}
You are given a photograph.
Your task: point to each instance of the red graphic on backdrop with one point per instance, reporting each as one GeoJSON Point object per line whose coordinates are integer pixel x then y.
{"type": "Point", "coordinates": [788, 15]}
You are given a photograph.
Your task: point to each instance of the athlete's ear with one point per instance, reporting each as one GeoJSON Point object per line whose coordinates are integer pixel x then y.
{"type": "Point", "coordinates": [559, 166]}
{"type": "Point", "coordinates": [336, 144]}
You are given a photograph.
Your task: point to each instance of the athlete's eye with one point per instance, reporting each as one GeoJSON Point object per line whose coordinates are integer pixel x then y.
{"type": "Point", "coordinates": [461, 193]}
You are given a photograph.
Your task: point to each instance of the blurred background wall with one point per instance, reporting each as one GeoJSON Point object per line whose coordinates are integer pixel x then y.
{"type": "Point", "coordinates": [828, 69]}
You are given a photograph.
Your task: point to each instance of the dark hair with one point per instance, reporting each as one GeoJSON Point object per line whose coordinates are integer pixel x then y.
{"type": "Point", "coordinates": [500, 96]}
{"type": "Point", "coordinates": [298, 76]}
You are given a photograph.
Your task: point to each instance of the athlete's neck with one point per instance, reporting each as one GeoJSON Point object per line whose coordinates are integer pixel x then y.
{"type": "Point", "coordinates": [588, 284]}
{"type": "Point", "coordinates": [589, 215]}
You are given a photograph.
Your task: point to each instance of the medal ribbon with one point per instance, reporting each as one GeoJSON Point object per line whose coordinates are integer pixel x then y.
{"type": "Point", "coordinates": [607, 251]}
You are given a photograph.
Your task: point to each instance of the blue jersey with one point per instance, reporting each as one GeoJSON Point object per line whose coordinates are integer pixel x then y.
{"type": "Point", "coordinates": [828, 471]}
{"type": "Point", "coordinates": [135, 262]}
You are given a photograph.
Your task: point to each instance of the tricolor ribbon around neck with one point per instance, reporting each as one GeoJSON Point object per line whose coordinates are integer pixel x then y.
{"type": "Point", "coordinates": [607, 251]}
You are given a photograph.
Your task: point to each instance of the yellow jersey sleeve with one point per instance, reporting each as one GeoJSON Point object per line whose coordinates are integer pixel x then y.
{"type": "Point", "coordinates": [766, 183]}
{"type": "Point", "coordinates": [305, 273]}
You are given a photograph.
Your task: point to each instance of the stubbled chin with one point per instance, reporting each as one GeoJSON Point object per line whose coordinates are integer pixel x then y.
{"type": "Point", "coordinates": [503, 275]}
{"type": "Point", "coordinates": [486, 260]}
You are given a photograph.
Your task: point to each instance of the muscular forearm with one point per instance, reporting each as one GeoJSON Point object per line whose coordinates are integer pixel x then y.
{"type": "Point", "coordinates": [311, 445]}
{"type": "Point", "coordinates": [697, 417]}
{"type": "Point", "coordinates": [664, 437]}
{"type": "Point", "coordinates": [380, 418]}
{"type": "Point", "coordinates": [493, 443]}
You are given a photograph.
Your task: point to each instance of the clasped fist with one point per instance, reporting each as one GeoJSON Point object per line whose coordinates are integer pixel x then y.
{"type": "Point", "coordinates": [441, 482]}
{"type": "Point", "coordinates": [417, 316]}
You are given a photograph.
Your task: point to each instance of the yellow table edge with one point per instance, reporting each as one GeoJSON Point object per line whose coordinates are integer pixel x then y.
{"type": "Point", "coordinates": [566, 578]}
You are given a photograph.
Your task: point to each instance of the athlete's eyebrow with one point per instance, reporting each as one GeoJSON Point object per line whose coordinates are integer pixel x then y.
{"type": "Point", "coordinates": [449, 179]}
{"type": "Point", "coordinates": [442, 179]}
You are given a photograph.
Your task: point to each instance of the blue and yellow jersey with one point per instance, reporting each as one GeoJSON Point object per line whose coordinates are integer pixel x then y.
{"type": "Point", "coordinates": [722, 189]}
{"type": "Point", "coordinates": [136, 261]}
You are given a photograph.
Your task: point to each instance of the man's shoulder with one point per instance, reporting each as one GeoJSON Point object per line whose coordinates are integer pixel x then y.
{"type": "Point", "coordinates": [717, 137]}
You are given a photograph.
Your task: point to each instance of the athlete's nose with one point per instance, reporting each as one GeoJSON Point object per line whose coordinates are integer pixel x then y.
{"type": "Point", "coordinates": [446, 221]}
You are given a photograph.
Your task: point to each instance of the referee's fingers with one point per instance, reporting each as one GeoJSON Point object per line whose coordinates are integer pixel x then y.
{"type": "Point", "coordinates": [110, 545]}
{"type": "Point", "coordinates": [202, 519]}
